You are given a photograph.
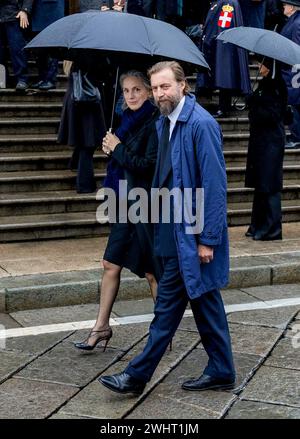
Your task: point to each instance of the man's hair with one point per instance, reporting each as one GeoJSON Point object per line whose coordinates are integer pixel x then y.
{"type": "Point", "coordinates": [136, 74]}
{"type": "Point", "coordinates": [176, 69]}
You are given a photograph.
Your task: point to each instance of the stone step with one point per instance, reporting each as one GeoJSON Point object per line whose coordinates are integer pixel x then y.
{"type": "Point", "coordinates": [43, 125]}
{"type": "Point", "coordinates": [30, 109]}
{"type": "Point", "coordinates": [11, 95]}
{"type": "Point", "coordinates": [25, 143]}
{"type": "Point", "coordinates": [240, 213]}
{"type": "Point", "coordinates": [38, 181]}
{"type": "Point", "coordinates": [234, 124]}
{"type": "Point", "coordinates": [240, 156]}
{"type": "Point", "coordinates": [238, 194]}
{"type": "Point", "coordinates": [53, 226]}
{"type": "Point", "coordinates": [236, 172]}
{"type": "Point", "coordinates": [49, 202]}
{"type": "Point", "coordinates": [30, 161]}
{"type": "Point", "coordinates": [33, 77]}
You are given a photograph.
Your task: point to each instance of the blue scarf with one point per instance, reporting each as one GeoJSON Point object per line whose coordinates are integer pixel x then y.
{"type": "Point", "coordinates": [130, 122]}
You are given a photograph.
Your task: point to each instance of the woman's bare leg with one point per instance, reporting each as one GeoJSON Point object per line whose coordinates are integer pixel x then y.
{"type": "Point", "coordinates": [152, 284]}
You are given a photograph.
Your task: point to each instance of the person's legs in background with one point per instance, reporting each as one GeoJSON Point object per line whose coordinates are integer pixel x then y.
{"type": "Point", "coordinates": [293, 139]}
{"type": "Point", "coordinates": [85, 182]}
{"type": "Point", "coordinates": [16, 42]}
{"type": "Point", "coordinates": [269, 207]}
{"type": "Point", "coordinates": [47, 68]}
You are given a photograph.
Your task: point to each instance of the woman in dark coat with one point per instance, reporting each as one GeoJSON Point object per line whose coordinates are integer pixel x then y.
{"type": "Point", "coordinates": [264, 173]}
{"type": "Point", "coordinates": [133, 149]}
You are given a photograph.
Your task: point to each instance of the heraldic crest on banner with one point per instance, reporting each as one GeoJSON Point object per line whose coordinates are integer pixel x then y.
{"type": "Point", "coordinates": [226, 16]}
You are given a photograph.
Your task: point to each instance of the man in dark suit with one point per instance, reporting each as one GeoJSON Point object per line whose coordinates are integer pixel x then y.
{"type": "Point", "coordinates": [195, 262]}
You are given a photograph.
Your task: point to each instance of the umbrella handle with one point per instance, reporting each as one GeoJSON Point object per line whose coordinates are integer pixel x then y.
{"type": "Point", "coordinates": [114, 101]}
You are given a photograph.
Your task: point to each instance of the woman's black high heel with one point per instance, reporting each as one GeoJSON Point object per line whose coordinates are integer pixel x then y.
{"type": "Point", "coordinates": [104, 335]}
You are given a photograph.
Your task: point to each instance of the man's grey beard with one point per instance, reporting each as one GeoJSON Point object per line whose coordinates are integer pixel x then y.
{"type": "Point", "coordinates": [169, 106]}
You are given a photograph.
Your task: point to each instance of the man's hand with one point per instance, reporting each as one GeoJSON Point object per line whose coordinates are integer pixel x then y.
{"type": "Point", "coordinates": [22, 15]}
{"type": "Point", "coordinates": [206, 254]}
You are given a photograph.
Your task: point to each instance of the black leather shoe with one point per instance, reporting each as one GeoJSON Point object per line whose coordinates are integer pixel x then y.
{"type": "Point", "coordinates": [122, 383]}
{"type": "Point", "coordinates": [36, 84]}
{"type": "Point", "coordinates": [47, 85]}
{"type": "Point", "coordinates": [268, 237]}
{"type": "Point", "coordinates": [250, 232]}
{"type": "Point", "coordinates": [206, 382]}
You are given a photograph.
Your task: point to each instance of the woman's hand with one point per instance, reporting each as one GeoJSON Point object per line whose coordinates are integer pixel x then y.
{"type": "Point", "coordinates": [109, 143]}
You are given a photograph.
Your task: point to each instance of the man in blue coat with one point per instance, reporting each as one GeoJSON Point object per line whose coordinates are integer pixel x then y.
{"type": "Point", "coordinates": [195, 262]}
{"type": "Point", "coordinates": [291, 30]}
{"type": "Point", "coordinates": [229, 64]}
{"type": "Point", "coordinates": [44, 13]}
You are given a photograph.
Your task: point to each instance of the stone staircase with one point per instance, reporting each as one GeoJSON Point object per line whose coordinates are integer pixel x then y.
{"type": "Point", "coordinates": [37, 191]}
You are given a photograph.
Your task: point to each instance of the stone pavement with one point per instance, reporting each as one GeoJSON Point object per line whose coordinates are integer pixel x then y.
{"type": "Point", "coordinates": [44, 376]}
{"type": "Point", "coordinates": [68, 272]}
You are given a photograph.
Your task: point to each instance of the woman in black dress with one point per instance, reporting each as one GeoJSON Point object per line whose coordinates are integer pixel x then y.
{"type": "Point", "coordinates": [133, 150]}
{"type": "Point", "coordinates": [264, 173]}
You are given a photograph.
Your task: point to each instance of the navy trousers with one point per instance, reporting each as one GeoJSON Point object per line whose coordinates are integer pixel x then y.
{"type": "Point", "coordinates": [16, 42]}
{"type": "Point", "coordinates": [210, 318]}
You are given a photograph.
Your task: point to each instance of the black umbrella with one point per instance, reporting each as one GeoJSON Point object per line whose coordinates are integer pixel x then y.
{"type": "Point", "coordinates": [263, 42]}
{"type": "Point", "coordinates": [116, 34]}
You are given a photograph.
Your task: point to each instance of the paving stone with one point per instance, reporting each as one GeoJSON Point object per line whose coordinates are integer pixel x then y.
{"type": "Point", "coordinates": [158, 406]}
{"type": "Point", "coordinates": [63, 415]}
{"type": "Point", "coordinates": [78, 367]}
{"type": "Point", "coordinates": [273, 317]}
{"type": "Point", "coordinates": [188, 324]}
{"type": "Point", "coordinates": [34, 344]}
{"type": "Point", "coordinates": [28, 399]}
{"type": "Point", "coordinates": [274, 385]}
{"type": "Point", "coordinates": [133, 307]}
{"type": "Point", "coordinates": [8, 322]}
{"type": "Point", "coordinates": [98, 402]}
{"type": "Point", "coordinates": [2, 300]}
{"type": "Point", "coordinates": [258, 410]}
{"type": "Point", "coordinates": [253, 339]}
{"type": "Point", "coordinates": [285, 354]}
{"type": "Point", "coordinates": [293, 331]}
{"type": "Point", "coordinates": [192, 367]}
{"type": "Point", "coordinates": [234, 296]}
{"type": "Point", "coordinates": [62, 314]}
{"type": "Point", "coordinates": [274, 292]}
{"type": "Point", "coordinates": [11, 362]}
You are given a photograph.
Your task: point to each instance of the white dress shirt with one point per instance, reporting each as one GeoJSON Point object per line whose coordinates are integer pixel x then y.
{"type": "Point", "coordinates": [175, 114]}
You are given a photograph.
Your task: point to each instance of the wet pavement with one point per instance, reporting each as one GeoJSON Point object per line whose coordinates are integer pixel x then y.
{"type": "Point", "coordinates": [43, 376]}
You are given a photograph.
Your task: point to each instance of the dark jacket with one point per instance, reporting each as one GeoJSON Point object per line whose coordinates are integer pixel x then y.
{"type": "Point", "coordinates": [274, 15]}
{"type": "Point", "coordinates": [253, 12]}
{"type": "Point", "coordinates": [10, 8]}
{"type": "Point", "coordinates": [267, 109]}
{"type": "Point", "coordinates": [292, 31]}
{"type": "Point", "coordinates": [229, 64]}
{"type": "Point", "coordinates": [82, 125]}
{"type": "Point", "coordinates": [137, 156]}
{"type": "Point", "coordinates": [45, 12]}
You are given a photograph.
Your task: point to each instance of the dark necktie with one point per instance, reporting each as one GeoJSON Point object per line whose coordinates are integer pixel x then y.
{"type": "Point", "coordinates": [164, 145]}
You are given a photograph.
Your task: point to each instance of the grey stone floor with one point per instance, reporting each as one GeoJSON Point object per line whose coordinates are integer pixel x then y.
{"type": "Point", "coordinates": [44, 376]}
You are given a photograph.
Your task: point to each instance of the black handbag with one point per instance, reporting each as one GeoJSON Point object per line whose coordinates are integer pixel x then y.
{"type": "Point", "coordinates": [83, 90]}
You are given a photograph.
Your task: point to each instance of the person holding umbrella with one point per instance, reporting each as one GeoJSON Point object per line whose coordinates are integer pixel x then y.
{"type": "Point", "coordinates": [291, 30]}
{"type": "Point", "coordinates": [264, 172]}
{"type": "Point", "coordinates": [133, 150]}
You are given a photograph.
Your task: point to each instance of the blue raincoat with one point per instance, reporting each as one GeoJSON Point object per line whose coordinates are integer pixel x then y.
{"type": "Point", "coordinates": [198, 161]}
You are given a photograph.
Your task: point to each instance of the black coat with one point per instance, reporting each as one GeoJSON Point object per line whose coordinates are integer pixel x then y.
{"type": "Point", "coordinates": [267, 109]}
{"type": "Point", "coordinates": [10, 8]}
{"type": "Point", "coordinates": [253, 12]}
{"type": "Point", "coordinates": [82, 125]}
{"type": "Point", "coordinates": [229, 64]}
{"type": "Point", "coordinates": [138, 155]}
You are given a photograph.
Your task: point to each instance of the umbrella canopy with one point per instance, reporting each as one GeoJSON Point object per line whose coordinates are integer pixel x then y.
{"type": "Point", "coordinates": [115, 33]}
{"type": "Point", "coordinates": [264, 42]}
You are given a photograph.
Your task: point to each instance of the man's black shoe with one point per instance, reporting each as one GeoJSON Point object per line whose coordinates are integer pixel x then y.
{"type": "Point", "coordinates": [122, 383]}
{"type": "Point", "coordinates": [206, 382]}
{"type": "Point", "coordinates": [47, 85]}
{"type": "Point", "coordinates": [21, 86]}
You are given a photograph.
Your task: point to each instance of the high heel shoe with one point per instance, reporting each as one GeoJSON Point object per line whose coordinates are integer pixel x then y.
{"type": "Point", "coordinates": [104, 335]}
